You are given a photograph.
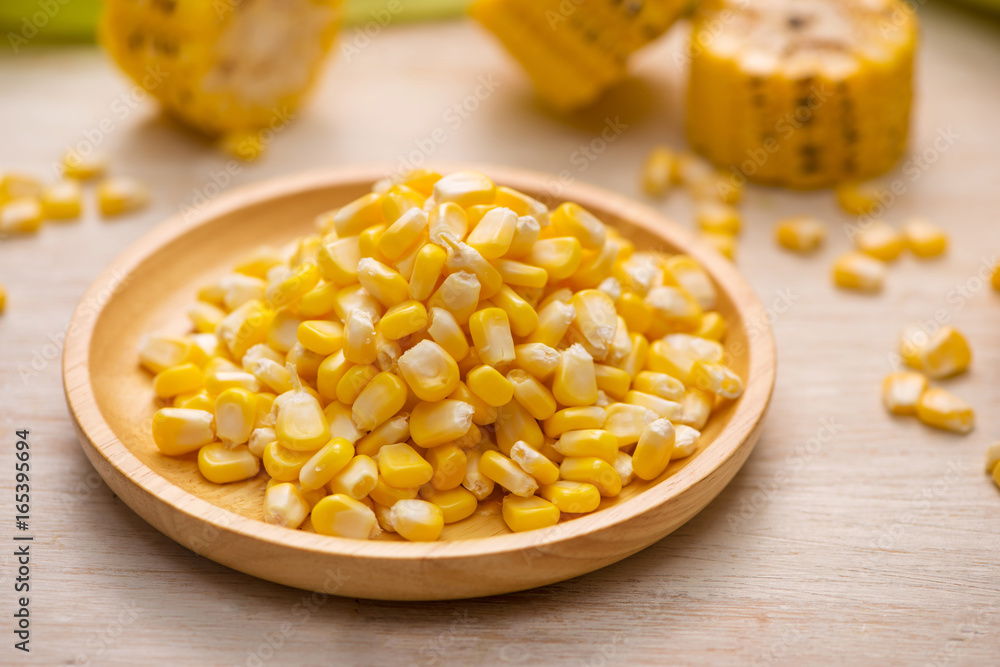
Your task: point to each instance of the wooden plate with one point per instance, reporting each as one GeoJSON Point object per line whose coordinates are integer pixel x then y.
{"type": "Point", "coordinates": [149, 287]}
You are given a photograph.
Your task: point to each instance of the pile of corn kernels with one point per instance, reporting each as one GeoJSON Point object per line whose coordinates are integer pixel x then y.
{"type": "Point", "coordinates": [440, 342]}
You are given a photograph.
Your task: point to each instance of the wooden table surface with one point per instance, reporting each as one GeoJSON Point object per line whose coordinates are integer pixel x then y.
{"type": "Point", "coordinates": [848, 536]}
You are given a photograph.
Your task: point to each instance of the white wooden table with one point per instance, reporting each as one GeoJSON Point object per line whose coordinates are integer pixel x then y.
{"type": "Point", "coordinates": [848, 536]}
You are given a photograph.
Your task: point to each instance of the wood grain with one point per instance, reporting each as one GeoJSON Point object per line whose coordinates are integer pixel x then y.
{"type": "Point", "coordinates": [874, 543]}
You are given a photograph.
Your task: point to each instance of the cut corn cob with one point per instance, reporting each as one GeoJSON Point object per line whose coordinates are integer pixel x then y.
{"type": "Point", "coordinates": [801, 94]}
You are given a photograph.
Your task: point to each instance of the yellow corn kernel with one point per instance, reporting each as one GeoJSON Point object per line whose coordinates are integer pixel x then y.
{"type": "Point", "coordinates": [522, 317]}
{"type": "Point", "coordinates": [358, 215]}
{"type": "Point", "coordinates": [574, 419]}
{"type": "Point", "coordinates": [857, 198]}
{"type": "Point", "coordinates": [492, 236]}
{"type": "Point", "coordinates": [592, 470]}
{"type": "Point", "coordinates": [403, 319]}
{"type": "Point", "coordinates": [463, 257]}
{"type": "Point", "coordinates": [305, 361]}
{"type": "Point", "coordinates": [478, 484]}
{"type": "Point", "coordinates": [381, 398]}
{"type": "Point", "coordinates": [441, 422]}
{"type": "Point", "coordinates": [612, 381]}
{"type": "Point", "coordinates": [685, 441]}
{"type": "Point", "coordinates": [21, 216]}
{"type": "Point", "coordinates": [427, 267]}
{"type": "Point", "coordinates": [490, 385]}
{"type": "Point", "coordinates": [340, 515]}
{"type": "Point", "coordinates": [519, 202]}
{"type": "Point", "coordinates": [446, 332]}
{"type": "Point", "coordinates": [589, 442]}
{"type": "Point", "coordinates": [382, 282]}
{"type": "Point", "coordinates": [81, 167]}
{"type": "Point", "coordinates": [554, 320]}
{"type": "Point", "coordinates": [395, 429]}
{"type": "Point", "coordinates": [284, 464]}
{"type": "Point", "coordinates": [368, 244]}
{"type": "Point", "coordinates": [659, 384]}
{"type": "Point", "coordinates": [858, 271]}
{"type": "Point", "coordinates": [398, 200]}
{"type": "Point", "coordinates": [3, 298]}
{"type": "Point", "coordinates": [61, 201]}
{"type": "Point", "coordinates": [282, 330]}
{"type": "Point", "coordinates": [356, 479]}
{"type": "Point", "coordinates": [992, 457]}
{"type": "Point", "coordinates": [571, 497]}
{"type": "Point", "coordinates": [235, 414]}
{"type": "Point", "coordinates": [121, 194]}
{"type": "Point", "coordinates": [665, 358]}
{"type": "Point", "coordinates": [717, 218]}
{"type": "Point", "coordinates": [572, 220]}
{"type": "Point", "coordinates": [455, 503]}
{"type": "Point", "coordinates": [387, 353]}
{"type": "Point", "coordinates": [259, 439]}
{"type": "Point", "coordinates": [484, 413]}
{"type": "Point", "coordinates": [944, 353]}
{"type": "Point", "coordinates": [330, 372]}
{"type": "Point", "coordinates": [219, 381]}
{"type": "Point", "coordinates": [386, 495]}
{"type": "Point", "coordinates": [880, 241]}
{"type": "Point", "coordinates": [417, 520]}
{"type": "Point", "coordinates": [359, 338]}
{"type": "Point", "coordinates": [716, 378]}
{"type": "Point", "coordinates": [237, 289]}
{"type": "Point", "coordinates": [301, 424]}
{"type": "Point", "coordinates": [205, 317]}
{"type": "Point", "coordinates": [597, 265]}
{"type": "Point", "coordinates": [355, 297]}
{"type": "Point", "coordinates": [420, 180]}
{"type": "Point", "coordinates": [285, 506]}
{"type": "Point", "coordinates": [491, 336]}
{"type": "Point", "coordinates": [295, 286]}
{"type": "Point", "coordinates": [673, 310]}
{"type": "Point", "coordinates": [514, 423]}
{"type": "Point", "coordinates": [941, 409]}
{"type": "Point", "coordinates": [199, 401]}
{"type": "Point", "coordinates": [448, 463]}
{"type": "Point", "coordinates": [925, 239]}
{"type": "Point", "coordinates": [181, 379]}
{"type": "Point", "coordinates": [178, 431]}
{"type": "Point", "coordinates": [595, 322]}
{"type": "Point", "coordinates": [222, 464]}
{"type": "Point", "coordinates": [450, 220]}
{"type": "Point", "coordinates": [401, 466]}
{"type": "Point", "coordinates": [338, 261]}
{"type": "Point", "coordinates": [652, 453]}
{"type": "Point", "coordinates": [627, 422]}
{"type": "Point", "coordinates": [534, 463]}
{"type": "Point", "coordinates": [712, 327]}
{"type": "Point", "coordinates": [429, 370]}
{"type": "Point", "coordinates": [520, 274]}
{"type": "Point", "coordinates": [465, 188]}
{"type": "Point", "coordinates": [530, 513]}
{"type": "Point", "coordinates": [637, 315]}
{"type": "Point", "coordinates": [902, 391]}
{"type": "Point", "coordinates": [246, 326]}
{"type": "Point", "coordinates": [559, 256]}
{"type": "Point", "coordinates": [699, 349]}
{"type": "Point", "coordinates": [325, 464]}
{"type": "Point", "coordinates": [574, 382]}
{"type": "Point", "coordinates": [656, 171]}
{"type": "Point", "coordinates": [696, 407]}
{"type": "Point", "coordinates": [403, 234]}
{"type": "Point", "coordinates": [534, 396]}
{"type": "Point", "coordinates": [306, 252]}
{"type": "Point", "coordinates": [800, 234]}
{"type": "Point", "coordinates": [263, 403]}
{"type": "Point", "coordinates": [17, 186]}
{"type": "Point", "coordinates": [526, 234]}
{"type": "Point", "coordinates": [259, 262]}
{"type": "Point", "coordinates": [321, 336]}
{"type": "Point", "coordinates": [458, 294]}
{"type": "Point", "coordinates": [538, 359]}
{"type": "Point", "coordinates": [507, 474]}
{"type": "Point", "coordinates": [692, 278]}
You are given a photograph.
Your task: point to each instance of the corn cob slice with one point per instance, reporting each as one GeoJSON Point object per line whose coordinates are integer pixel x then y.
{"type": "Point", "coordinates": [802, 93]}
{"type": "Point", "coordinates": [574, 51]}
{"type": "Point", "coordinates": [229, 69]}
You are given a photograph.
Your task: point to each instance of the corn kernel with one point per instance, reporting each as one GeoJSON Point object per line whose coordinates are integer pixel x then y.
{"type": "Point", "coordinates": [659, 384]}
{"type": "Point", "coordinates": [623, 466]}
{"type": "Point", "coordinates": [381, 398]}
{"type": "Point", "coordinates": [522, 317]}
{"type": "Point", "coordinates": [61, 201]}
{"type": "Point", "coordinates": [925, 239]}
{"type": "Point", "coordinates": [572, 220]}
{"type": "Point", "coordinates": [321, 336]}
{"type": "Point", "coordinates": [182, 379]}
{"type": "Point", "coordinates": [403, 319]}
{"type": "Point", "coordinates": [560, 256]}
{"type": "Point", "coordinates": [491, 335]}
{"type": "Point", "coordinates": [494, 233]}
{"type": "Point", "coordinates": [325, 464]}
{"type": "Point", "coordinates": [465, 188]}
{"type": "Point", "coordinates": [637, 315]}
{"type": "Point", "coordinates": [282, 463]}
{"type": "Point", "coordinates": [356, 479]}
{"type": "Point", "coordinates": [359, 338]}
{"type": "Point", "coordinates": [448, 219]}
{"type": "Point", "coordinates": [446, 332]}
{"type": "Point", "coordinates": [595, 322]}
{"type": "Point", "coordinates": [358, 215]}
{"type": "Point", "coordinates": [21, 216]}
{"type": "Point", "coordinates": [858, 271]}
{"type": "Point", "coordinates": [305, 361]}
{"type": "Point", "coordinates": [222, 464]}
{"type": "Point", "coordinates": [652, 453]}
{"type": "Point", "coordinates": [627, 422]}
{"type": "Point", "coordinates": [285, 506]}
{"type": "Point", "coordinates": [696, 408]}
{"type": "Point", "coordinates": [592, 470]}
{"type": "Point", "coordinates": [943, 410]}
{"type": "Point", "coordinates": [78, 166]}
{"type": "Point", "coordinates": [530, 513]}
{"type": "Point", "coordinates": [716, 378]}
{"type": "Point", "coordinates": [382, 282]}
{"type": "Point", "coordinates": [340, 515]}
{"type": "Point", "coordinates": [401, 466]}
{"type": "Point", "coordinates": [121, 194]}
{"type": "Point", "coordinates": [448, 463]}
{"type": "Point", "coordinates": [538, 359]}
{"type": "Point", "coordinates": [417, 520]}
{"type": "Point", "coordinates": [657, 170]}
{"type": "Point", "coordinates": [574, 382]}
{"type": "Point", "coordinates": [534, 463]}
{"type": "Point", "coordinates": [685, 441]}
{"type": "Point", "coordinates": [441, 422]}
{"type": "Point", "coordinates": [880, 241]}
{"type": "Point", "coordinates": [490, 385]}
{"type": "Point", "coordinates": [178, 431]}
{"type": "Point", "coordinates": [483, 412]}
{"type": "Point", "coordinates": [386, 495]}
{"type": "Point", "coordinates": [428, 264]}
{"type": "Point", "coordinates": [713, 326]}
{"type": "Point", "coordinates": [590, 442]}
{"type": "Point", "coordinates": [800, 234]}
{"type": "Point", "coordinates": [857, 198]}
{"type": "Point", "coordinates": [507, 474]}
{"type": "Point", "coordinates": [992, 457]}
{"type": "Point", "coordinates": [301, 424]}
{"type": "Point", "coordinates": [235, 414]}
{"type": "Point", "coordinates": [455, 503]}
{"type": "Point", "coordinates": [403, 234]}
{"type": "Point", "coordinates": [673, 309]}
{"type": "Point", "coordinates": [571, 497]}
{"type": "Point", "coordinates": [574, 419]}
{"type": "Point", "coordinates": [554, 320]}
{"type": "Point", "coordinates": [458, 294]}
{"type": "Point", "coordinates": [717, 218]}
{"type": "Point", "coordinates": [429, 370]}
{"type": "Point", "coordinates": [902, 391]}
{"type": "Point", "coordinates": [945, 353]}
{"type": "Point", "coordinates": [478, 484]}
{"type": "Point", "coordinates": [725, 244]}
{"type": "Point", "coordinates": [532, 394]}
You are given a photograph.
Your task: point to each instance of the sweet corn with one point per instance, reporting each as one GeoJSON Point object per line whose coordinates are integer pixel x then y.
{"type": "Point", "coordinates": [515, 423]}
{"type": "Point", "coordinates": [659, 384]}
{"type": "Point", "coordinates": [178, 431]}
{"type": "Point", "coordinates": [657, 170]}
{"type": "Point", "coordinates": [3, 298]}
{"type": "Point", "coordinates": [992, 457]}
{"type": "Point", "coordinates": [285, 506]}
{"type": "Point", "coordinates": [438, 423]}
{"type": "Point", "coordinates": [306, 362]}
{"type": "Point", "coordinates": [574, 419]}
{"type": "Point", "coordinates": [448, 219]}
{"type": "Point", "coordinates": [623, 466]}
{"type": "Point", "coordinates": [121, 194]}
{"type": "Point", "coordinates": [417, 520]}
{"type": "Point", "coordinates": [717, 218]}
{"type": "Point", "coordinates": [235, 413]}
{"type": "Point", "coordinates": [538, 359]}
{"type": "Point", "coordinates": [574, 382]}
{"type": "Point", "coordinates": [559, 256]}
{"type": "Point", "coordinates": [673, 310]}
{"type": "Point", "coordinates": [717, 379]}
{"type": "Point", "coordinates": [446, 332]}
{"type": "Point", "coordinates": [359, 338]}
{"type": "Point", "coordinates": [62, 200]}
{"type": "Point", "coordinates": [800, 234]}
{"type": "Point", "coordinates": [653, 451]}
{"type": "Point", "coordinates": [725, 244]}
{"type": "Point", "coordinates": [534, 463]}
{"type": "Point", "coordinates": [507, 474]}
{"type": "Point", "coordinates": [490, 385]}
{"type": "Point", "coordinates": [463, 257]}
{"type": "Point", "coordinates": [494, 233]}
{"type": "Point", "coordinates": [925, 239]}
{"type": "Point", "coordinates": [360, 214]}
{"type": "Point", "coordinates": [902, 391]}
{"type": "Point", "coordinates": [696, 407]}
{"type": "Point", "coordinates": [301, 424]}
{"type": "Point", "coordinates": [403, 234]}
{"type": "Point", "coordinates": [483, 413]}
{"type": "Point", "coordinates": [458, 294]}
{"type": "Point", "coordinates": [382, 282]}
{"type": "Point", "coordinates": [554, 320]}
{"type": "Point", "coordinates": [448, 463]}
{"type": "Point", "coordinates": [455, 503]}
{"type": "Point", "coordinates": [685, 441]}
{"type": "Point", "coordinates": [945, 353]}
{"type": "Point", "coordinates": [293, 287]}
{"type": "Point", "coordinates": [880, 241]}
{"type": "Point", "coordinates": [627, 422]}
{"type": "Point", "coordinates": [592, 470]}
{"type": "Point", "coordinates": [478, 484]}
{"type": "Point", "coordinates": [340, 515]}
{"type": "Point", "coordinates": [282, 463]}
{"type": "Point", "coordinates": [713, 326]}
{"type": "Point", "coordinates": [401, 466]}
{"type": "Point", "coordinates": [76, 165]}
{"type": "Point", "coordinates": [465, 188]}
{"type": "Point", "coordinates": [399, 200]}
{"type": "Point", "coordinates": [591, 442]}
{"type": "Point", "coordinates": [858, 271]}
{"type": "Point", "coordinates": [857, 198]}
{"type": "Point", "coordinates": [571, 497]}
{"type": "Point", "coordinates": [594, 323]}
{"type": "Point", "coordinates": [386, 495]}
{"type": "Point", "coordinates": [532, 394]}
{"type": "Point", "coordinates": [429, 370]}
{"type": "Point", "coordinates": [572, 220]}
{"type": "Point", "coordinates": [427, 267]}
{"type": "Point", "coordinates": [356, 479]}
{"type": "Point", "coordinates": [21, 216]}
{"type": "Point", "coordinates": [222, 464]}
{"type": "Point", "coordinates": [339, 417]}
{"type": "Point", "coordinates": [382, 397]}
{"type": "Point", "coordinates": [520, 274]}
{"type": "Point", "coordinates": [182, 379]}
{"type": "Point", "coordinates": [530, 513]}
{"type": "Point", "coordinates": [491, 336]}
{"type": "Point", "coordinates": [403, 319]}
{"type": "Point", "coordinates": [522, 317]}
{"type": "Point", "coordinates": [940, 409]}
{"type": "Point", "coordinates": [526, 234]}
{"type": "Point", "coordinates": [321, 336]}
{"type": "Point", "coordinates": [325, 464]}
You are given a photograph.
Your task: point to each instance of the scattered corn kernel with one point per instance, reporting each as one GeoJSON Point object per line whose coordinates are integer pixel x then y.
{"type": "Point", "coordinates": [925, 239]}
{"type": "Point", "coordinates": [121, 194]}
{"type": "Point", "coordinates": [944, 353]}
{"type": "Point", "coordinates": [717, 218]}
{"type": "Point", "coordinates": [342, 516]}
{"type": "Point", "coordinates": [657, 171]}
{"type": "Point", "coordinates": [21, 216]}
{"type": "Point", "coordinates": [901, 392]}
{"type": "Point", "coordinates": [531, 513]}
{"type": "Point", "coordinates": [880, 241]}
{"type": "Point", "coordinates": [62, 200]}
{"type": "Point", "coordinates": [941, 409]}
{"type": "Point", "coordinates": [78, 166]}
{"type": "Point", "coordinates": [800, 234]}
{"type": "Point", "coordinates": [857, 198]}
{"type": "Point", "coordinates": [857, 271]}
{"type": "Point", "coordinates": [222, 464]}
